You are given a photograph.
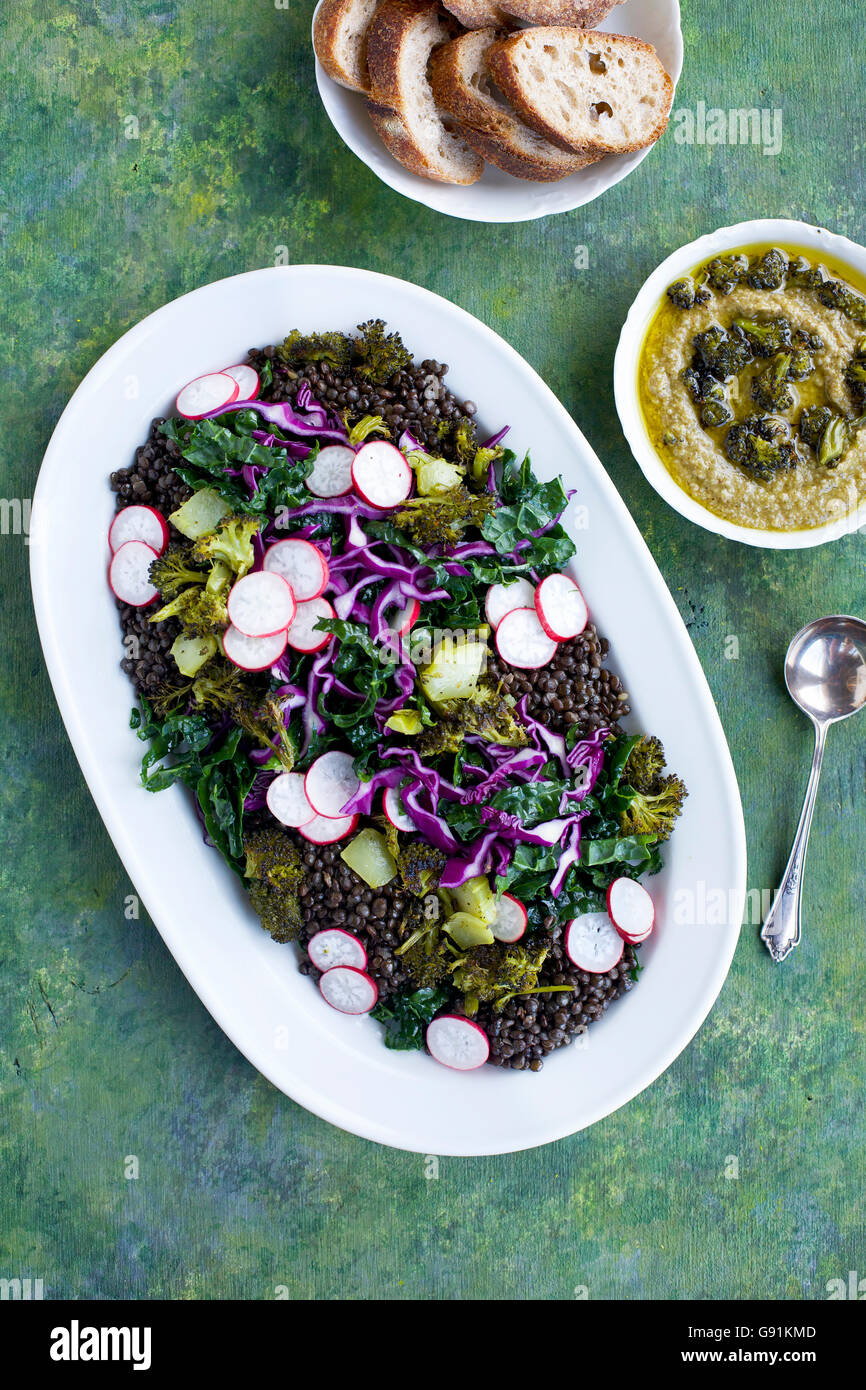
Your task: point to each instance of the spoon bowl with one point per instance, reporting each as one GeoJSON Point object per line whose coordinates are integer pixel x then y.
{"type": "Point", "coordinates": [825, 672]}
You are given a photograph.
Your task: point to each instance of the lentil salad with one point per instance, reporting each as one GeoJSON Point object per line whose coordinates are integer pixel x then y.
{"type": "Point", "coordinates": [468, 800]}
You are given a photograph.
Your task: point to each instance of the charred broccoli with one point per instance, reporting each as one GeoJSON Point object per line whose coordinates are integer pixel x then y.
{"type": "Point", "coordinates": [276, 872]}
{"type": "Point", "coordinates": [828, 434]}
{"type": "Point", "coordinates": [421, 866]}
{"type": "Point", "coordinates": [460, 436]}
{"type": "Point", "coordinates": [710, 394]}
{"type": "Point", "coordinates": [855, 376]}
{"type": "Point", "coordinates": [723, 354]}
{"type": "Point", "coordinates": [685, 294]}
{"type": "Point", "coordinates": [496, 974]}
{"type": "Point", "coordinates": [658, 800]}
{"type": "Point", "coordinates": [379, 355]}
{"type": "Point", "coordinates": [805, 276]}
{"type": "Point", "coordinates": [231, 544]}
{"type": "Point", "coordinates": [174, 569]}
{"type": "Point", "coordinates": [201, 608]}
{"type": "Point", "coordinates": [813, 424]}
{"type": "Point", "coordinates": [263, 721]}
{"type": "Point", "coordinates": [488, 715]}
{"type": "Point", "coordinates": [770, 388]}
{"type": "Point", "coordinates": [765, 338]}
{"type": "Point", "coordinates": [335, 349]}
{"type": "Point", "coordinates": [760, 448]}
{"type": "Point", "coordinates": [725, 272]}
{"type": "Point", "coordinates": [835, 294]}
{"type": "Point", "coordinates": [769, 271]}
{"type": "Point", "coordinates": [219, 687]}
{"type": "Point", "coordinates": [441, 520]}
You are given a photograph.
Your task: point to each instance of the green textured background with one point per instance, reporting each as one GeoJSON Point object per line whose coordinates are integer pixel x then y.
{"type": "Point", "coordinates": [106, 1051]}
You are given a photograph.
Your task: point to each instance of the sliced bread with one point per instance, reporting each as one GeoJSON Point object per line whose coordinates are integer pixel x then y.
{"type": "Point", "coordinates": [476, 14]}
{"type": "Point", "coordinates": [402, 107]}
{"type": "Point", "coordinates": [463, 87]}
{"type": "Point", "coordinates": [583, 90]}
{"type": "Point", "coordinates": [340, 40]}
{"type": "Point", "coordinates": [584, 14]}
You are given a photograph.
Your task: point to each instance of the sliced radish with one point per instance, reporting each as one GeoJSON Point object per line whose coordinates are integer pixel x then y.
{"type": "Point", "coordinates": [631, 909]}
{"type": "Point", "coordinates": [327, 830]}
{"type": "Point", "coordinates": [334, 947]}
{"type": "Point", "coordinates": [592, 944]}
{"type": "Point", "coordinates": [381, 474]}
{"type": "Point", "coordinates": [261, 604]}
{"type": "Point", "coordinates": [331, 475]}
{"type": "Point", "coordinates": [504, 598]}
{"type": "Point", "coordinates": [301, 564]}
{"type": "Point", "coordinates": [521, 640]}
{"type": "Point", "coordinates": [511, 919]}
{"type": "Point", "coordinates": [129, 574]}
{"type": "Point", "coordinates": [138, 524]}
{"type": "Point", "coordinates": [407, 617]}
{"type": "Point", "coordinates": [247, 379]}
{"type": "Point", "coordinates": [457, 1042]}
{"type": "Point", "coordinates": [206, 393]}
{"type": "Point", "coordinates": [287, 800]}
{"type": "Point", "coordinates": [253, 653]}
{"type": "Point", "coordinates": [393, 808]}
{"type": "Point", "coordinates": [561, 607]}
{"type": "Point", "coordinates": [303, 633]}
{"type": "Point", "coordinates": [349, 990]}
{"type": "Point", "coordinates": [330, 782]}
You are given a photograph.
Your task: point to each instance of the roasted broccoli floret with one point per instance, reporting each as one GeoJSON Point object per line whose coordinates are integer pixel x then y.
{"type": "Point", "coordinates": [379, 355]}
{"type": "Point", "coordinates": [804, 275]}
{"type": "Point", "coordinates": [760, 448]}
{"type": "Point", "coordinates": [488, 715]}
{"type": "Point", "coordinates": [174, 569]}
{"type": "Point", "coordinates": [658, 800]}
{"type": "Point", "coordinates": [835, 294]}
{"type": "Point", "coordinates": [682, 293]}
{"type": "Point", "coordinates": [333, 348]}
{"type": "Point", "coordinates": [724, 355]}
{"type": "Point", "coordinates": [855, 379]}
{"type": "Point", "coordinates": [276, 871]}
{"type": "Point", "coordinates": [710, 394]}
{"type": "Point", "coordinates": [263, 720]}
{"type": "Point", "coordinates": [460, 436]}
{"type": "Point", "coordinates": [219, 687]}
{"type": "Point", "coordinates": [421, 866]}
{"type": "Point", "coordinates": [813, 424]}
{"type": "Point", "coordinates": [230, 544]}
{"type": "Point", "coordinates": [725, 272]}
{"type": "Point", "coordinates": [770, 389]}
{"type": "Point", "coordinates": [767, 337]}
{"type": "Point", "coordinates": [829, 434]}
{"type": "Point", "coordinates": [201, 608]}
{"type": "Point", "coordinates": [769, 271]}
{"type": "Point", "coordinates": [496, 974]}
{"type": "Point", "coordinates": [442, 519]}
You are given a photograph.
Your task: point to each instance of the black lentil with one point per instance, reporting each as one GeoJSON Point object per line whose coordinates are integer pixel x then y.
{"type": "Point", "coordinates": [574, 689]}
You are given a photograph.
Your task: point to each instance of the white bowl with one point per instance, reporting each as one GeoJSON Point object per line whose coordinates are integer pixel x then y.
{"type": "Point", "coordinates": [767, 230]}
{"type": "Point", "coordinates": [499, 197]}
{"type": "Point", "coordinates": [334, 1065]}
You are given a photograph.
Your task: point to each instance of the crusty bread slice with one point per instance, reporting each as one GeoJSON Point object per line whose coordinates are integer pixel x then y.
{"type": "Point", "coordinates": [463, 87]}
{"type": "Point", "coordinates": [584, 14]}
{"type": "Point", "coordinates": [582, 89]}
{"type": "Point", "coordinates": [400, 40]}
{"type": "Point", "coordinates": [340, 40]}
{"type": "Point", "coordinates": [476, 14]}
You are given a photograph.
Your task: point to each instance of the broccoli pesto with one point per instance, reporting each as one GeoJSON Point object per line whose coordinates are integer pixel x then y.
{"type": "Point", "coordinates": [752, 384]}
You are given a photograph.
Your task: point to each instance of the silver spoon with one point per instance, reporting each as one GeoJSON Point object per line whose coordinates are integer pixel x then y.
{"type": "Point", "coordinates": [825, 672]}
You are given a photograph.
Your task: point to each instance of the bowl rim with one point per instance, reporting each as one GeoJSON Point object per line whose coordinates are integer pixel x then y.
{"type": "Point", "coordinates": [424, 191]}
{"type": "Point", "coordinates": [626, 361]}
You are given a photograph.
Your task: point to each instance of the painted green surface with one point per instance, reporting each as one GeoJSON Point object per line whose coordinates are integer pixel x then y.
{"type": "Point", "coordinates": [106, 1052]}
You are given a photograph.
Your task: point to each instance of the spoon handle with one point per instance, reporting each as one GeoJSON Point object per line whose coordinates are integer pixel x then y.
{"type": "Point", "coordinates": [781, 929]}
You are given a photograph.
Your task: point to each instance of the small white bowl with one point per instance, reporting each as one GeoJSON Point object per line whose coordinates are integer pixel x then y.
{"type": "Point", "coordinates": [770, 230]}
{"type": "Point", "coordinates": [498, 197]}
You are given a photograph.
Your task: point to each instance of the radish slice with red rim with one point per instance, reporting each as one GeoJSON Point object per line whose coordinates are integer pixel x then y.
{"type": "Point", "coordinates": [287, 800]}
{"type": "Point", "coordinates": [592, 944]}
{"type": "Point", "coordinates": [348, 990]}
{"type": "Point", "coordinates": [331, 474]}
{"type": "Point", "coordinates": [253, 653]}
{"type": "Point", "coordinates": [129, 574]}
{"type": "Point", "coordinates": [522, 642]}
{"type": "Point", "coordinates": [139, 523]}
{"type": "Point", "coordinates": [331, 782]}
{"type": "Point", "coordinates": [206, 393]}
{"type": "Point", "coordinates": [333, 947]}
{"type": "Point", "coordinates": [394, 812]}
{"type": "Point", "coordinates": [561, 607]}
{"type": "Point", "coordinates": [247, 379]}
{"type": "Point", "coordinates": [457, 1042]}
{"type": "Point", "coordinates": [511, 919]}
{"type": "Point", "coordinates": [407, 617]}
{"type": "Point", "coordinates": [303, 635]}
{"type": "Point", "coordinates": [327, 830]}
{"type": "Point", "coordinates": [261, 604]}
{"type": "Point", "coordinates": [504, 598]}
{"type": "Point", "coordinates": [631, 909]}
{"type": "Point", "coordinates": [301, 564]}
{"type": "Point", "coordinates": [381, 474]}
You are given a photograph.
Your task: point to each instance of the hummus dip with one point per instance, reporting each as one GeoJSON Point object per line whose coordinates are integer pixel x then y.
{"type": "Point", "coordinates": [807, 495]}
